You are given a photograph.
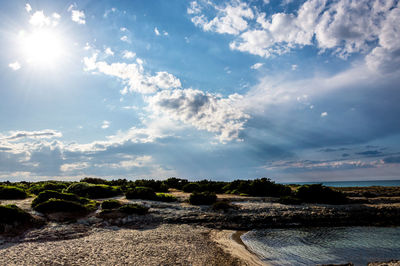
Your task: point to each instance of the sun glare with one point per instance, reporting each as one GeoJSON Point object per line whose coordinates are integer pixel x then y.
{"type": "Point", "coordinates": [42, 47]}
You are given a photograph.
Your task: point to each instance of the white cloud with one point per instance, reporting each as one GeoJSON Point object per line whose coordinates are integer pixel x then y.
{"type": "Point", "coordinates": [231, 19]}
{"type": "Point", "coordinates": [106, 124]}
{"type": "Point", "coordinates": [46, 133]}
{"type": "Point", "coordinates": [39, 19]}
{"type": "Point", "coordinates": [256, 65]}
{"type": "Point", "coordinates": [323, 114]}
{"type": "Point", "coordinates": [133, 75]}
{"type": "Point", "coordinates": [343, 27]}
{"type": "Point", "coordinates": [109, 11]}
{"type": "Point", "coordinates": [108, 51]}
{"type": "Point", "coordinates": [204, 111]}
{"type": "Point", "coordinates": [128, 54]}
{"type": "Point", "coordinates": [156, 31]}
{"type": "Point", "coordinates": [77, 16]}
{"type": "Point", "coordinates": [69, 167]}
{"type": "Point", "coordinates": [15, 65]}
{"type": "Point", "coordinates": [124, 38]}
{"type": "Point", "coordinates": [139, 161]}
{"type": "Point", "coordinates": [194, 8]}
{"type": "Point", "coordinates": [28, 8]}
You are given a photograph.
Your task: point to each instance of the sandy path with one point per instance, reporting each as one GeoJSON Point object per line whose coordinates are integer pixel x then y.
{"type": "Point", "coordinates": [164, 245]}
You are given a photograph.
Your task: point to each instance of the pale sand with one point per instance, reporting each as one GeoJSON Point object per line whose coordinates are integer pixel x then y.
{"type": "Point", "coordinates": [163, 245]}
{"type": "Point", "coordinates": [231, 243]}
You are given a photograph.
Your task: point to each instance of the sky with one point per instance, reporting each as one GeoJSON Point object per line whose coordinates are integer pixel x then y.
{"type": "Point", "coordinates": [290, 90]}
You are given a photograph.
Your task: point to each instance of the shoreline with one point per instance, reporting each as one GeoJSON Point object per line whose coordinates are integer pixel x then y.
{"type": "Point", "coordinates": [230, 242]}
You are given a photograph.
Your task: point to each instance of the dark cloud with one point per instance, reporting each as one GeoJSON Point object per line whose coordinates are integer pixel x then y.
{"type": "Point", "coordinates": [393, 159]}
{"type": "Point", "coordinates": [369, 153]}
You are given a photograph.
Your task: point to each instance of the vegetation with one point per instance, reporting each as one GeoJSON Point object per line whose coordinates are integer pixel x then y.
{"type": "Point", "coordinates": [110, 204]}
{"type": "Point", "coordinates": [317, 193]}
{"type": "Point", "coordinates": [176, 183]}
{"type": "Point", "coordinates": [191, 187]}
{"type": "Point", "coordinates": [10, 214]}
{"type": "Point", "coordinates": [53, 201]}
{"type": "Point", "coordinates": [12, 192]}
{"type": "Point", "coordinates": [94, 191]}
{"type": "Point", "coordinates": [262, 187]}
{"type": "Point", "coordinates": [141, 193]}
{"type": "Point", "coordinates": [290, 200]}
{"type": "Point", "coordinates": [165, 197]}
{"type": "Point", "coordinates": [133, 209]}
{"type": "Point", "coordinates": [50, 194]}
{"type": "Point", "coordinates": [202, 198]}
{"type": "Point", "coordinates": [222, 205]}
{"type": "Point", "coordinates": [55, 186]}
{"type": "Point", "coordinates": [60, 205]}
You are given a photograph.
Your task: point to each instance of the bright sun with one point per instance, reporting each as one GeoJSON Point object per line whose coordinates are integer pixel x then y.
{"type": "Point", "coordinates": [42, 47]}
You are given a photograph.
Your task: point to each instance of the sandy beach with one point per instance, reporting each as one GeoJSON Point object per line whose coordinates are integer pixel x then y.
{"type": "Point", "coordinates": [162, 245]}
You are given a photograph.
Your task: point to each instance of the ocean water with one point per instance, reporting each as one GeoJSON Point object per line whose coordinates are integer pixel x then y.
{"type": "Point", "coordinates": [312, 246]}
{"type": "Point", "coordinates": [384, 183]}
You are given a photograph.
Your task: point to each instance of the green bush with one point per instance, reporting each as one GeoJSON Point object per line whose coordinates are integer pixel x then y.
{"type": "Point", "coordinates": [49, 194]}
{"type": "Point", "coordinates": [290, 200]}
{"type": "Point", "coordinates": [12, 192]}
{"type": "Point", "coordinates": [262, 187]}
{"type": "Point", "coordinates": [59, 205]}
{"type": "Point", "coordinates": [191, 187]}
{"type": "Point", "coordinates": [36, 189]}
{"type": "Point", "coordinates": [317, 193]}
{"type": "Point", "coordinates": [133, 209]}
{"type": "Point", "coordinates": [141, 193]}
{"type": "Point", "coordinates": [202, 198]}
{"type": "Point", "coordinates": [111, 204]}
{"type": "Point", "coordinates": [93, 180]}
{"type": "Point", "coordinates": [176, 183]}
{"type": "Point", "coordinates": [156, 185]}
{"type": "Point", "coordinates": [10, 214]}
{"type": "Point", "coordinates": [165, 197]}
{"type": "Point", "coordinates": [93, 191]}
{"type": "Point", "coordinates": [221, 206]}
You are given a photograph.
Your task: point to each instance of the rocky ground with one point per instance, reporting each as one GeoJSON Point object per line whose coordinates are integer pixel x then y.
{"type": "Point", "coordinates": [162, 245]}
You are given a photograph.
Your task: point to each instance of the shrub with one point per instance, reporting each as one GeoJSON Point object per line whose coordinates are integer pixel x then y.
{"type": "Point", "coordinates": [202, 198]}
{"type": "Point", "coordinates": [49, 194]}
{"type": "Point", "coordinates": [11, 192]}
{"type": "Point", "coordinates": [10, 214]}
{"type": "Point", "coordinates": [141, 193]}
{"type": "Point", "coordinates": [191, 187]}
{"type": "Point", "coordinates": [221, 206]}
{"type": "Point", "coordinates": [290, 200]}
{"type": "Point", "coordinates": [111, 204]}
{"type": "Point", "coordinates": [93, 180]}
{"type": "Point", "coordinates": [156, 185]}
{"type": "Point", "coordinates": [317, 193]}
{"type": "Point", "coordinates": [176, 183]}
{"type": "Point", "coordinates": [165, 197]}
{"type": "Point", "coordinates": [59, 205]}
{"type": "Point", "coordinates": [93, 191]}
{"type": "Point", "coordinates": [262, 187]}
{"type": "Point", "coordinates": [36, 189]}
{"type": "Point", "coordinates": [133, 209]}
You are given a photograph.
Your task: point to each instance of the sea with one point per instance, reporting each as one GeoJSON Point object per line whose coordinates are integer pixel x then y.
{"type": "Point", "coordinates": [327, 245]}
{"type": "Point", "coordinates": [384, 183]}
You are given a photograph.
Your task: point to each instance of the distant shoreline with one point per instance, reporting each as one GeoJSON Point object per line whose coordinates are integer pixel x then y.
{"type": "Point", "coordinates": [351, 183]}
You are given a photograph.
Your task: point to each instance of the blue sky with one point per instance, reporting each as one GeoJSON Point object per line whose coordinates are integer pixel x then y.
{"type": "Point", "coordinates": [291, 90]}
